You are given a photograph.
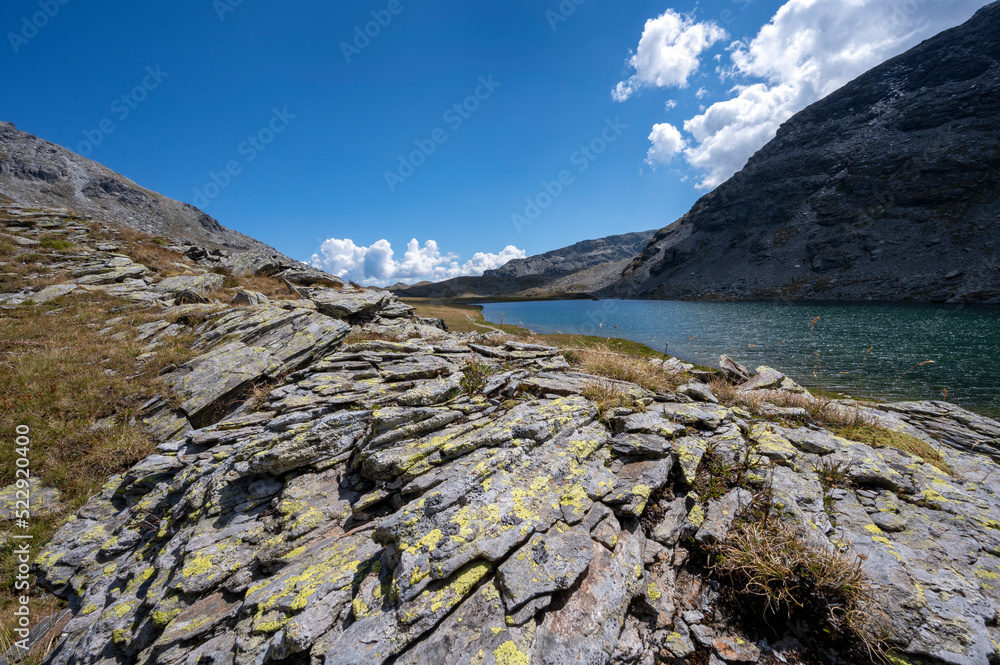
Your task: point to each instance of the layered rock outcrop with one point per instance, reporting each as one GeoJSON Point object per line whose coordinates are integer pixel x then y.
{"type": "Point", "coordinates": [463, 499]}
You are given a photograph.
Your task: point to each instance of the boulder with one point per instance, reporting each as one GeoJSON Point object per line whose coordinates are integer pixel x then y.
{"type": "Point", "coordinates": [250, 298]}
{"type": "Point", "coordinates": [203, 283]}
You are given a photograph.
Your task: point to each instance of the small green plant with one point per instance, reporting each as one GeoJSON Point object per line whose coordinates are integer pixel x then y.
{"type": "Point", "coordinates": [56, 244]}
{"type": "Point", "coordinates": [475, 374]}
{"type": "Point", "coordinates": [718, 473]}
{"type": "Point", "coordinates": [832, 474]}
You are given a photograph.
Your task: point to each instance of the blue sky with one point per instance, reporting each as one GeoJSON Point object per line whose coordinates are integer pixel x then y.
{"type": "Point", "coordinates": [607, 117]}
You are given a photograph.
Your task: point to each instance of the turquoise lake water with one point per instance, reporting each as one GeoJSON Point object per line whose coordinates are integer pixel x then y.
{"type": "Point", "coordinates": [963, 341]}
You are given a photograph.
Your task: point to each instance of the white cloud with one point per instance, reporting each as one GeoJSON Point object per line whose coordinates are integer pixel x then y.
{"type": "Point", "coordinates": [668, 52]}
{"type": "Point", "coordinates": [375, 265]}
{"type": "Point", "coordinates": [667, 142]}
{"type": "Point", "coordinates": [670, 105]}
{"type": "Point", "coordinates": [809, 49]}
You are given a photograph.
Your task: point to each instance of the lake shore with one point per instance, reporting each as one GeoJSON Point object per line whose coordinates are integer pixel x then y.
{"type": "Point", "coordinates": [874, 350]}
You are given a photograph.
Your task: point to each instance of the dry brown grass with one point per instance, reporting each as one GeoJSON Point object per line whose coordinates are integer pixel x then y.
{"type": "Point", "coordinates": [150, 252]}
{"type": "Point", "coordinates": [621, 367]}
{"type": "Point", "coordinates": [46, 606]}
{"type": "Point", "coordinates": [7, 246]}
{"type": "Point", "coordinates": [58, 377]}
{"type": "Point", "coordinates": [143, 249]}
{"type": "Point", "coordinates": [820, 409]}
{"type": "Point", "coordinates": [271, 287]}
{"type": "Point", "coordinates": [852, 423]}
{"type": "Point", "coordinates": [774, 572]}
{"type": "Point", "coordinates": [608, 396]}
{"type": "Point", "coordinates": [27, 267]}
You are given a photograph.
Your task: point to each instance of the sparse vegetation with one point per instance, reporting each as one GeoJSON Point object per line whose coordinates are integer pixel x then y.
{"type": "Point", "coordinates": [56, 243]}
{"type": "Point", "coordinates": [718, 473]}
{"type": "Point", "coordinates": [832, 474]}
{"type": "Point", "coordinates": [142, 249]}
{"type": "Point", "coordinates": [475, 374]}
{"type": "Point", "coordinates": [271, 287]}
{"type": "Point", "coordinates": [623, 367]}
{"type": "Point", "coordinates": [608, 396]}
{"type": "Point", "coordinates": [609, 357]}
{"type": "Point", "coordinates": [878, 437]}
{"type": "Point", "coordinates": [774, 573]}
{"type": "Point", "coordinates": [7, 248]}
{"type": "Point", "coordinates": [60, 377]}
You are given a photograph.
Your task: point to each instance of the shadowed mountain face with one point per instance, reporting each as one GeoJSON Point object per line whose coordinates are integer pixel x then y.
{"type": "Point", "coordinates": [34, 172]}
{"type": "Point", "coordinates": [888, 189]}
{"type": "Point", "coordinates": [578, 269]}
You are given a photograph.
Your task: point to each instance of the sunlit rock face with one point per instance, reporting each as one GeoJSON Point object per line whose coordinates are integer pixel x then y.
{"type": "Point", "coordinates": [885, 190]}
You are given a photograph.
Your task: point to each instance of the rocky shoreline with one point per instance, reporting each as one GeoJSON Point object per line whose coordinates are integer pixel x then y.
{"type": "Point", "coordinates": [397, 493]}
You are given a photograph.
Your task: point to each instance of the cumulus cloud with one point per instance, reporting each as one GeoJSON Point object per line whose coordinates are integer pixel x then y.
{"type": "Point", "coordinates": [668, 52]}
{"type": "Point", "coordinates": [375, 265]}
{"type": "Point", "coordinates": [807, 50]}
{"type": "Point", "coordinates": [667, 142]}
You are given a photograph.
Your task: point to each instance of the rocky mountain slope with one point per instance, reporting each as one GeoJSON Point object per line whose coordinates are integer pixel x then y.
{"type": "Point", "coordinates": [447, 498]}
{"type": "Point", "coordinates": [578, 256]}
{"type": "Point", "coordinates": [35, 172]}
{"type": "Point", "coordinates": [888, 189]}
{"type": "Point", "coordinates": [566, 271]}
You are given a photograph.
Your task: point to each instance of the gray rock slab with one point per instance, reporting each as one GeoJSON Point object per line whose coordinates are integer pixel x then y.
{"type": "Point", "coordinates": [545, 564]}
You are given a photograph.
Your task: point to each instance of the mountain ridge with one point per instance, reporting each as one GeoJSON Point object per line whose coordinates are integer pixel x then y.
{"type": "Point", "coordinates": [568, 271]}
{"type": "Point", "coordinates": [37, 172]}
{"type": "Point", "coordinates": [879, 191]}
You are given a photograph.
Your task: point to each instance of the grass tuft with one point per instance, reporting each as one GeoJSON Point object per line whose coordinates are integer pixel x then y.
{"type": "Point", "coordinates": [622, 367]}
{"type": "Point", "coordinates": [608, 396]}
{"type": "Point", "coordinates": [774, 572]}
{"type": "Point", "coordinates": [475, 375]}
